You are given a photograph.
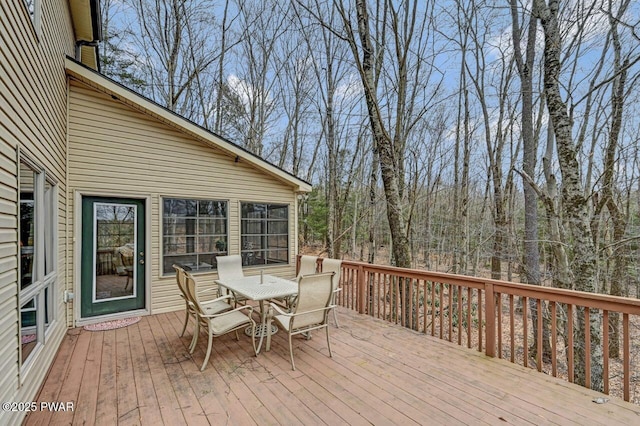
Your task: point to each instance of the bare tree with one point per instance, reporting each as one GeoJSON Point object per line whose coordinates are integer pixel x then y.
{"type": "Point", "coordinates": [175, 40]}
{"type": "Point", "coordinates": [575, 204]}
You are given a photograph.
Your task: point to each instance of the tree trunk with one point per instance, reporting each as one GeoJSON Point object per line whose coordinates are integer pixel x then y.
{"type": "Point", "coordinates": [531, 271]}
{"type": "Point", "coordinates": [574, 202]}
{"type": "Point", "coordinates": [384, 145]}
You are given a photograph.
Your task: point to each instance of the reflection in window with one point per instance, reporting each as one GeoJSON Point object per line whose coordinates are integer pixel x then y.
{"type": "Point", "coordinates": [37, 211]}
{"type": "Point", "coordinates": [265, 234]}
{"type": "Point", "coordinates": [28, 329]}
{"type": "Point", "coordinates": [194, 233]}
{"type": "Point", "coordinates": [115, 246]}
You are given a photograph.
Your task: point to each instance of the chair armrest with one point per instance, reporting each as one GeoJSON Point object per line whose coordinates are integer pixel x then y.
{"type": "Point", "coordinates": [326, 308]}
{"type": "Point", "coordinates": [217, 299]}
{"type": "Point", "coordinates": [279, 309]}
{"type": "Point", "coordinates": [243, 307]}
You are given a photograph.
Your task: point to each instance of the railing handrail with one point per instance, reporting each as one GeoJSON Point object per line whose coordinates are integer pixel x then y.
{"type": "Point", "coordinates": [560, 295]}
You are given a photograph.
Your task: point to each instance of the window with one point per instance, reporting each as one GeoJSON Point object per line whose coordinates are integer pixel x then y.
{"type": "Point", "coordinates": [265, 234]}
{"type": "Point", "coordinates": [33, 7]}
{"type": "Point", "coordinates": [194, 233]}
{"type": "Point", "coordinates": [37, 271]}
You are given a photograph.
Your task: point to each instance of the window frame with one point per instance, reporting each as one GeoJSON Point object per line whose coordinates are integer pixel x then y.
{"type": "Point", "coordinates": [43, 286]}
{"type": "Point", "coordinates": [35, 16]}
{"type": "Point", "coordinates": [163, 236]}
{"type": "Point", "coordinates": [264, 236]}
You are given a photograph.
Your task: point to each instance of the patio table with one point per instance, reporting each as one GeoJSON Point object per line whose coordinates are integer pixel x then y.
{"type": "Point", "coordinates": [260, 288]}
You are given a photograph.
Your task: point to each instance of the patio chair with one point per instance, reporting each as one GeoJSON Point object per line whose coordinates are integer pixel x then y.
{"type": "Point", "coordinates": [230, 267]}
{"type": "Point", "coordinates": [127, 263]}
{"type": "Point", "coordinates": [213, 306]}
{"type": "Point", "coordinates": [335, 266]}
{"type": "Point", "coordinates": [311, 309]}
{"type": "Point", "coordinates": [217, 324]}
{"type": "Point", "coordinates": [308, 265]}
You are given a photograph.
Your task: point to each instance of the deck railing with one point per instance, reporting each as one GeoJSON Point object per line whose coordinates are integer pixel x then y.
{"type": "Point", "coordinates": [496, 317]}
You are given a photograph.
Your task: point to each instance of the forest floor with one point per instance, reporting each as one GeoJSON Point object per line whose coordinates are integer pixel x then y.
{"type": "Point", "coordinates": [616, 367]}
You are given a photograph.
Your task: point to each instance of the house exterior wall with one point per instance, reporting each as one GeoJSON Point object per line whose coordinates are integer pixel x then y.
{"type": "Point", "coordinates": [33, 94]}
{"type": "Point", "coordinates": [115, 150]}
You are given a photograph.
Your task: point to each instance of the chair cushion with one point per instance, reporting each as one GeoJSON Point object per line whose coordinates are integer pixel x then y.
{"type": "Point", "coordinates": [227, 322]}
{"type": "Point", "coordinates": [216, 307]}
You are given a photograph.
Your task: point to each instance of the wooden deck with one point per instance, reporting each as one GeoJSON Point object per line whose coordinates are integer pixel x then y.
{"type": "Point", "coordinates": [380, 374]}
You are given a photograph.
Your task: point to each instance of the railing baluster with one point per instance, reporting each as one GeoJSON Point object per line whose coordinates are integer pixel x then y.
{"type": "Point", "coordinates": [605, 350]}
{"type": "Point", "coordinates": [627, 356]}
{"type": "Point", "coordinates": [512, 327]}
{"type": "Point", "coordinates": [469, 317]}
{"type": "Point", "coordinates": [525, 330]}
{"type": "Point", "coordinates": [459, 316]}
{"type": "Point", "coordinates": [479, 320]}
{"type": "Point", "coordinates": [499, 313]}
{"type": "Point", "coordinates": [433, 308]}
{"type": "Point", "coordinates": [425, 305]}
{"type": "Point", "coordinates": [554, 339]}
{"type": "Point", "coordinates": [450, 299]}
{"type": "Point", "coordinates": [490, 326]}
{"type": "Point", "coordinates": [587, 346]}
{"type": "Point", "coordinates": [570, 333]}
{"type": "Point", "coordinates": [441, 309]}
{"type": "Point", "coordinates": [539, 335]}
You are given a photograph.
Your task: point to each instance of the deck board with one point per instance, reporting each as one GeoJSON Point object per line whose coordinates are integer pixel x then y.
{"type": "Point", "coordinates": [380, 374]}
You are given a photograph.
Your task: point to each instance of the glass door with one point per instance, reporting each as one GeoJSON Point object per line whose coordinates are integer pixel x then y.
{"type": "Point", "coordinates": [113, 255]}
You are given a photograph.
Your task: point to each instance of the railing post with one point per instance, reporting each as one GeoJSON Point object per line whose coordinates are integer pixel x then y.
{"type": "Point", "coordinates": [490, 319]}
{"type": "Point", "coordinates": [362, 294]}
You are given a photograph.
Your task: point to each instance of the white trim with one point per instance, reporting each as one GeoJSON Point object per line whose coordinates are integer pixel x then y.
{"type": "Point", "coordinates": [77, 255]}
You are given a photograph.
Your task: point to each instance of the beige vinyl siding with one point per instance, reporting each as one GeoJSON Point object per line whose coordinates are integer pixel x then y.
{"type": "Point", "coordinates": [116, 150]}
{"type": "Point", "coordinates": [33, 119]}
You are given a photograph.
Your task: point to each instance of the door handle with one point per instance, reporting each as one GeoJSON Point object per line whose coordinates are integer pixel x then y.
{"type": "Point", "coordinates": [142, 261]}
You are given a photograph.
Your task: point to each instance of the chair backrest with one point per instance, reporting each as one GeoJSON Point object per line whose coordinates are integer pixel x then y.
{"type": "Point", "coordinates": [314, 293]}
{"type": "Point", "coordinates": [180, 280]}
{"type": "Point", "coordinates": [127, 260]}
{"type": "Point", "coordinates": [333, 265]}
{"type": "Point", "coordinates": [308, 265]}
{"type": "Point", "coordinates": [191, 289]}
{"type": "Point", "coordinates": [229, 267]}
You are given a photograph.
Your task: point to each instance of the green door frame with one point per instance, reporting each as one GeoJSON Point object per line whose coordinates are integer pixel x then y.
{"type": "Point", "coordinates": [90, 306]}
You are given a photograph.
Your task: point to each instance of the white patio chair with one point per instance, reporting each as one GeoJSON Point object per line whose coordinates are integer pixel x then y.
{"type": "Point", "coordinates": [311, 309]}
{"type": "Point", "coordinates": [308, 265]}
{"type": "Point", "coordinates": [213, 306]}
{"type": "Point", "coordinates": [335, 266]}
{"type": "Point", "coordinates": [229, 268]}
{"type": "Point", "coordinates": [217, 324]}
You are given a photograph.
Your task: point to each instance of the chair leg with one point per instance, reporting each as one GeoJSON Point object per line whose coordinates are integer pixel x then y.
{"type": "Point", "coordinates": [253, 337]}
{"type": "Point", "coordinates": [194, 339]}
{"type": "Point", "coordinates": [335, 317]}
{"type": "Point", "coordinates": [293, 365]}
{"type": "Point", "coordinates": [186, 321]}
{"type": "Point", "coordinates": [206, 357]}
{"type": "Point", "coordinates": [328, 341]}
